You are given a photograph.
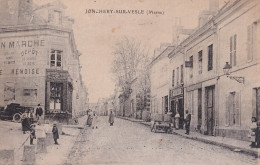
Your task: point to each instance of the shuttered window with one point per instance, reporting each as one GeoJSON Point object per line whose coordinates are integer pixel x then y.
{"type": "Point", "coordinates": [200, 61]}
{"type": "Point", "coordinates": [173, 73]}
{"type": "Point", "coordinates": [210, 57]}
{"type": "Point", "coordinates": [181, 73]}
{"type": "Point", "coordinates": [233, 109]}
{"type": "Point", "coordinates": [233, 50]}
{"type": "Point", "coordinates": [177, 76]}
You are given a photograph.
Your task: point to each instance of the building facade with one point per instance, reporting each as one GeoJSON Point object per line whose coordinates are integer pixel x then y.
{"type": "Point", "coordinates": [39, 60]}
{"type": "Point", "coordinates": [176, 86]}
{"type": "Point", "coordinates": [238, 37]}
{"type": "Point", "coordinates": [159, 71]}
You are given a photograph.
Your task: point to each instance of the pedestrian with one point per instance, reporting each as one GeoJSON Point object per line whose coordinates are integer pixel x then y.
{"type": "Point", "coordinates": [90, 119]}
{"type": "Point", "coordinates": [31, 116]}
{"type": "Point", "coordinates": [32, 134]}
{"type": "Point", "coordinates": [252, 132]}
{"type": "Point", "coordinates": [187, 122]}
{"type": "Point", "coordinates": [177, 120]}
{"type": "Point", "coordinates": [55, 133]}
{"type": "Point", "coordinates": [95, 119]}
{"type": "Point", "coordinates": [25, 121]}
{"type": "Point", "coordinates": [39, 112]}
{"type": "Point", "coordinates": [111, 118]}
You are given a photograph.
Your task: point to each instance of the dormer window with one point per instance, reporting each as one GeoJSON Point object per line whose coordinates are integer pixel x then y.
{"type": "Point", "coordinates": [56, 59]}
{"type": "Point", "coordinates": [57, 17]}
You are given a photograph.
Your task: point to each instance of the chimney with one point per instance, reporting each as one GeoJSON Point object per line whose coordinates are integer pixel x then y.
{"type": "Point", "coordinates": [204, 16]}
{"type": "Point", "coordinates": [176, 27]}
{"type": "Point", "coordinates": [25, 11]}
{"type": "Point", "coordinates": [8, 12]}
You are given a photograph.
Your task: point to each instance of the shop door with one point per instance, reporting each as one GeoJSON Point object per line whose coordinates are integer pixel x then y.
{"type": "Point", "coordinates": [258, 104]}
{"type": "Point", "coordinates": [172, 108]}
{"type": "Point", "coordinates": [210, 110]}
{"type": "Point", "coordinates": [199, 108]}
{"type": "Point", "coordinates": [181, 112]}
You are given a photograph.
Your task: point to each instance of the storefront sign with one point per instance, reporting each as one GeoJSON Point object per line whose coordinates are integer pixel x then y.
{"type": "Point", "coordinates": [20, 57]}
{"type": "Point", "coordinates": [57, 75]}
{"type": "Point", "coordinates": [194, 87]}
{"type": "Point", "coordinates": [176, 92]}
{"type": "Point", "coordinates": [22, 44]}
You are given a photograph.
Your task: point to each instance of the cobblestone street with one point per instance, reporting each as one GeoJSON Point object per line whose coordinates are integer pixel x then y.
{"type": "Point", "coordinates": [131, 143]}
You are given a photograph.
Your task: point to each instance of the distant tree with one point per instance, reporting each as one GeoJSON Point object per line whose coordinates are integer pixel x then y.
{"type": "Point", "coordinates": [130, 59]}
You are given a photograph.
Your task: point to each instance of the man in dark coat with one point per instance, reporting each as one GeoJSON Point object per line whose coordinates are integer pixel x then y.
{"type": "Point", "coordinates": [25, 121]}
{"type": "Point", "coordinates": [32, 134]}
{"type": "Point", "coordinates": [55, 133]}
{"type": "Point", "coordinates": [39, 112]}
{"type": "Point", "coordinates": [111, 118]}
{"type": "Point", "coordinates": [187, 122]}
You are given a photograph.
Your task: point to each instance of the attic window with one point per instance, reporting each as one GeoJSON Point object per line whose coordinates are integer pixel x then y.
{"type": "Point", "coordinates": [56, 17]}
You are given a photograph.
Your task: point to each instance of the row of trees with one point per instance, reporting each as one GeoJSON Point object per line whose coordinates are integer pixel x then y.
{"type": "Point", "coordinates": [131, 58]}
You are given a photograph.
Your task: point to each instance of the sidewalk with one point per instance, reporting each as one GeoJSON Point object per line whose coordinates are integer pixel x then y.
{"type": "Point", "coordinates": [57, 154]}
{"type": "Point", "coordinates": [233, 144]}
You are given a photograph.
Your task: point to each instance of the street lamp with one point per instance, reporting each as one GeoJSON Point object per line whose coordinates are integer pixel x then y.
{"type": "Point", "coordinates": [227, 69]}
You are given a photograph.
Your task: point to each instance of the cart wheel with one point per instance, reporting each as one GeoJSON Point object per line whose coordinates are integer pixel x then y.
{"type": "Point", "coordinates": [169, 131]}
{"type": "Point", "coordinates": [17, 117]}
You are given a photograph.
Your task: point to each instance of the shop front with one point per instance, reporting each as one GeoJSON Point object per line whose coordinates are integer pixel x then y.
{"type": "Point", "coordinates": [177, 103]}
{"type": "Point", "coordinates": [58, 100]}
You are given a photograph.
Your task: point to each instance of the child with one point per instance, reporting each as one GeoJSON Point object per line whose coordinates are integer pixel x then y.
{"type": "Point", "coordinates": [252, 133]}
{"type": "Point", "coordinates": [55, 133]}
{"type": "Point", "coordinates": [32, 134]}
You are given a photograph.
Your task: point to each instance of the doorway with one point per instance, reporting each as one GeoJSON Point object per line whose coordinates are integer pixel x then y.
{"type": "Point", "coordinates": [199, 108]}
{"type": "Point", "coordinates": [181, 112]}
{"type": "Point", "coordinates": [210, 92]}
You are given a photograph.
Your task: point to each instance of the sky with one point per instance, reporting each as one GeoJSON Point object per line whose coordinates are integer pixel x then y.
{"type": "Point", "coordinates": [96, 34]}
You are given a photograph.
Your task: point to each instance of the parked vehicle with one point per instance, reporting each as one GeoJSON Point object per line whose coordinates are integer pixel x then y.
{"type": "Point", "coordinates": [161, 126]}
{"type": "Point", "coordinates": [13, 112]}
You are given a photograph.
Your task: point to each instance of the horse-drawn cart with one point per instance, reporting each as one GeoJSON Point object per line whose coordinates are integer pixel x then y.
{"type": "Point", "coordinates": [161, 126]}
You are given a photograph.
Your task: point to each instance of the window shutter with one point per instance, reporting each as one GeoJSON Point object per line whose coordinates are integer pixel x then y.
{"type": "Point", "coordinates": [231, 44]}
{"type": "Point", "coordinates": [249, 43]}
{"type": "Point", "coordinates": [235, 50]}
{"type": "Point", "coordinates": [227, 110]}
{"type": "Point", "coordinates": [237, 108]}
{"type": "Point", "coordinates": [173, 72]}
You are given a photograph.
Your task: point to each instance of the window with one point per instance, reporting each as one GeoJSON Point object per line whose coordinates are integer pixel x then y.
{"type": "Point", "coordinates": [56, 61]}
{"type": "Point", "coordinates": [177, 76]}
{"type": "Point", "coordinates": [190, 98]}
{"type": "Point", "coordinates": [30, 92]}
{"type": "Point", "coordinates": [173, 72]}
{"type": "Point", "coordinates": [181, 74]}
{"type": "Point", "coordinates": [233, 49]}
{"type": "Point", "coordinates": [200, 61]}
{"type": "Point", "coordinates": [166, 104]}
{"type": "Point", "coordinates": [56, 95]}
{"type": "Point", "coordinates": [210, 57]}
{"type": "Point", "coordinates": [251, 33]}
{"type": "Point", "coordinates": [233, 109]}
{"type": "Point", "coordinates": [191, 69]}
{"type": "Point", "coordinates": [57, 17]}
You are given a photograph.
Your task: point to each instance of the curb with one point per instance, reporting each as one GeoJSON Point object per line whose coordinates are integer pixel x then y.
{"type": "Point", "coordinates": [231, 147]}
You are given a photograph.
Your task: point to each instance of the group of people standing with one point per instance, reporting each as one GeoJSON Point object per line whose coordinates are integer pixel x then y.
{"type": "Point", "coordinates": [187, 119]}
{"type": "Point", "coordinates": [92, 119]}
{"type": "Point", "coordinates": [28, 124]}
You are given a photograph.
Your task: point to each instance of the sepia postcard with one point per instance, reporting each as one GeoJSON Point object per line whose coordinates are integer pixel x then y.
{"type": "Point", "coordinates": [129, 82]}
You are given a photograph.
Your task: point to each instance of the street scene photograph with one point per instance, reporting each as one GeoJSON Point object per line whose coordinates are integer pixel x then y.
{"type": "Point", "coordinates": [129, 82]}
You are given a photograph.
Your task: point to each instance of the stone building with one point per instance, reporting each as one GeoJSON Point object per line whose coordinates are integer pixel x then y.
{"type": "Point", "coordinates": [159, 71]}
{"type": "Point", "coordinates": [39, 59]}
{"type": "Point", "coordinates": [221, 59]}
{"type": "Point", "coordinates": [176, 85]}
{"type": "Point", "coordinates": [238, 28]}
